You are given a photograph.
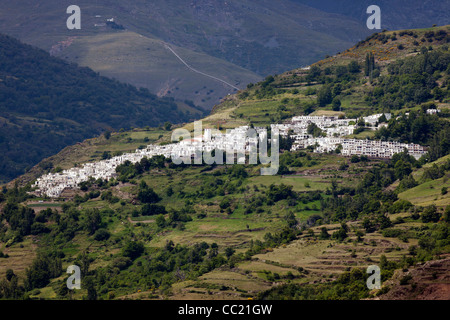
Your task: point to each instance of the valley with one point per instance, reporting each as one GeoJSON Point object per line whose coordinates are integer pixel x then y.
{"type": "Point", "coordinates": [158, 230]}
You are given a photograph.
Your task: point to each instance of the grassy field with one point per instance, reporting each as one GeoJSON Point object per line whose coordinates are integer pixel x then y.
{"type": "Point", "coordinates": [20, 256]}
{"type": "Point", "coordinates": [305, 260]}
{"type": "Point", "coordinates": [428, 193]}
{"type": "Point", "coordinates": [299, 183]}
{"type": "Point", "coordinates": [145, 62]}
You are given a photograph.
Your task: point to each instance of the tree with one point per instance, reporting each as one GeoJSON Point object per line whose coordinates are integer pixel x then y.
{"type": "Point", "coordinates": [384, 221]}
{"type": "Point", "coordinates": [169, 191]}
{"type": "Point", "coordinates": [369, 64]}
{"type": "Point", "coordinates": [308, 108]}
{"type": "Point", "coordinates": [277, 193]}
{"type": "Point", "coordinates": [214, 250]}
{"type": "Point", "coordinates": [286, 143]}
{"type": "Point", "coordinates": [290, 219]}
{"type": "Point", "coordinates": [430, 214]}
{"type": "Point", "coordinates": [336, 104]}
{"type": "Point", "coordinates": [229, 252]}
{"type": "Point", "coordinates": [146, 194]}
{"type": "Point", "coordinates": [337, 89]}
{"type": "Point", "coordinates": [324, 96]}
{"type": "Point", "coordinates": [44, 267]}
{"type": "Point", "coordinates": [225, 203]}
{"type": "Point", "coordinates": [355, 159]}
{"type": "Point", "coordinates": [106, 155]}
{"type": "Point", "coordinates": [354, 67]}
{"type": "Point", "coordinates": [283, 169]}
{"type": "Point", "coordinates": [314, 130]}
{"type": "Point", "coordinates": [447, 214]}
{"type": "Point", "coordinates": [90, 287]}
{"type": "Point", "coordinates": [133, 249]}
{"type": "Point", "coordinates": [167, 126]}
{"type": "Point", "coordinates": [101, 235]}
{"type": "Point", "coordinates": [10, 274]}
{"type": "Point", "coordinates": [160, 221]}
{"type": "Point", "coordinates": [150, 209]}
{"type": "Point", "coordinates": [324, 235]}
{"type": "Point", "coordinates": [427, 243]}
{"type": "Point", "coordinates": [402, 169]}
{"type": "Point", "coordinates": [341, 234]}
{"type": "Point", "coordinates": [84, 262]}
{"type": "Point", "coordinates": [314, 72]}
{"type": "Point", "coordinates": [382, 119]}
{"type": "Point", "coordinates": [9, 288]}
{"type": "Point", "coordinates": [93, 220]}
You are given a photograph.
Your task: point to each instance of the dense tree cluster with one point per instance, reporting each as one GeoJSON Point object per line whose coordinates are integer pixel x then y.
{"type": "Point", "coordinates": [349, 286]}
{"type": "Point", "coordinates": [412, 80]}
{"type": "Point", "coordinates": [420, 128]}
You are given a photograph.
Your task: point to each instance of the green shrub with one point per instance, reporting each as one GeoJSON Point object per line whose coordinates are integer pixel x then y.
{"type": "Point", "coordinates": [101, 235]}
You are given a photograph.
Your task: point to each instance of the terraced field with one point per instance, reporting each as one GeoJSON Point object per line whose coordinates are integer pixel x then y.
{"type": "Point", "coordinates": [305, 260]}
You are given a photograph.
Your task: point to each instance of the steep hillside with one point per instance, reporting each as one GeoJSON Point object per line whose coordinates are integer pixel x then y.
{"type": "Point", "coordinates": [261, 37]}
{"type": "Point", "coordinates": [296, 92]}
{"type": "Point", "coordinates": [396, 14]}
{"type": "Point", "coordinates": [148, 62]}
{"type": "Point", "coordinates": [220, 232]}
{"type": "Point", "coordinates": [164, 231]}
{"type": "Point", "coordinates": [342, 83]}
{"type": "Point", "coordinates": [258, 35]}
{"type": "Point", "coordinates": [47, 104]}
{"type": "Point", "coordinates": [426, 281]}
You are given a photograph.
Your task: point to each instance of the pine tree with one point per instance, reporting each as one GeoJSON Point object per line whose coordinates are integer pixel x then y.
{"type": "Point", "coordinates": [367, 65]}
{"type": "Point", "coordinates": [370, 64]}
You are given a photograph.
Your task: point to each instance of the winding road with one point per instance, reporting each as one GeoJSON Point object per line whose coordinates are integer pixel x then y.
{"type": "Point", "coordinates": [199, 72]}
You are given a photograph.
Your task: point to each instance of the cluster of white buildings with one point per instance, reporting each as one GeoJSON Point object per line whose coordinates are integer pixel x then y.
{"type": "Point", "coordinates": [336, 129]}
{"type": "Point", "coordinates": [331, 126]}
{"type": "Point", "coordinates": [240, 141]}
{"type": "Point", "coordinates": [369, 148]}
{"type": "Point", "coordinates": [433, 111]}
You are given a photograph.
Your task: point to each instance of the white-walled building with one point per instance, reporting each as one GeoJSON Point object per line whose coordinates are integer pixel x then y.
{"type": "Point", "coordinates": [240, 140]}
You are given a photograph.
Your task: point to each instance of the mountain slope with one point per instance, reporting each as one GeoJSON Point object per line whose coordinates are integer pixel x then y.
{"type": "Point", "coordinates": [47, 104]}
{"type": "Point", "coordinates": [395, 14]}
{"type": "Point", "coordinates": [260, 37]}
{"type": "Point", "coordinates": [248, 39]}
{"type": "Point", "coordinates": [297, 91]}
{"type": "Point", "coordinates": [147, 62]}
{"type": "Point", "coordinates": [239, 31]}
{"type": "Point", "coordinates": [165, 231]}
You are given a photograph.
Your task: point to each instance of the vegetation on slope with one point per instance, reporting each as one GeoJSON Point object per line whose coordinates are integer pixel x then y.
{"type": "Point", "coordinates": [47, 104]}
{"type": "Point", "coordinates": [132, 233]}
{"type": "Point", "coordinates": [165, 230]}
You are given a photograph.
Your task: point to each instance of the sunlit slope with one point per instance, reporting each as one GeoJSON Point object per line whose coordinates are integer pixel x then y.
{"type": "Point", "coordinates": [146, 62]}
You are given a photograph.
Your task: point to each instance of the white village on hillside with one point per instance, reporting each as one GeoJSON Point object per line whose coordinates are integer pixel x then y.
{"type": "Point", "coordinates": [333, 133]}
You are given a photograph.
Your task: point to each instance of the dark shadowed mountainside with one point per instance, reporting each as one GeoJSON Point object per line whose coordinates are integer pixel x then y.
{"type": "Point", "coordinates": [47, 103]}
